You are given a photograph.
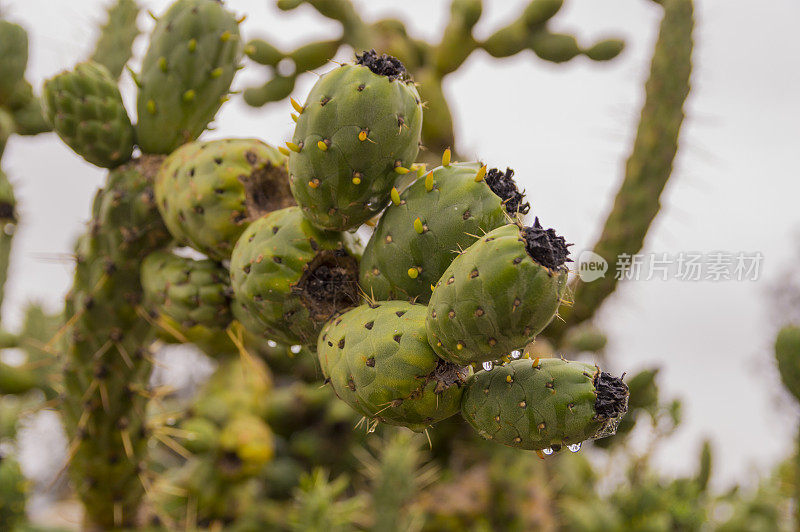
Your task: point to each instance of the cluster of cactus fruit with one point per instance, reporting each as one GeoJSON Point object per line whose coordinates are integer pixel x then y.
{"type": "Point", "coordinates": [432, 317]}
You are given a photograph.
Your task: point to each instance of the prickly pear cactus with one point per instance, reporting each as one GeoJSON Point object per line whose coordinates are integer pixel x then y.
{"type": "Point", "coordinates": [420, 234]}
{"type": "Point", "coordinates": [194, 53]}
{"type": "Point", "coordinates": [13, 492]}
{"type": "Point", "coordinates": [378, 360]}
{"type": "Point", "coordinates": [289, 277]}
{"type": "Point", "coordinates": [207, 192]}
{"type": "Point", "coordinates": [190, 292]}
{"type": "Point", "coordinates": [498, 294]}
{"type": "Point", "coordinates": [13, 57]}
{"type": "Point", "coordinates": [787, 353]}
{"type": "Point", "coordinates": [86, 110]}
{"type": "Point", "coordinates": [544, 404]}
{"type": "Point", "coordinates": [357, 132]}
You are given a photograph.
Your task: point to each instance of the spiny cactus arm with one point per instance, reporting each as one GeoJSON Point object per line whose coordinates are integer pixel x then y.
{"type": "Point", "coordinates": [650, 165]}
{"type": "Point", "coordinates": [115, 43]}
{"type": "Point", "coordinates": [107, 347]}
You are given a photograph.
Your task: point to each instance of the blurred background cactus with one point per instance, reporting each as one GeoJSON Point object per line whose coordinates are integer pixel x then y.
{"type": "Point", "coordinates": [260, 445]}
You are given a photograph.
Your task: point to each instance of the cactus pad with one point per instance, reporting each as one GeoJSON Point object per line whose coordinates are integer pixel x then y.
{"type": "Point", "coordinates": [378, 361]}
{"type": "Point", "coordinates": [86, 110]}
{"type": "Point", "coordinates": [359, 130]}
{"type": "Point", "coordinates": [207, 192]}
{"type": "Point", "coordinates": [289, 277]}
{"type": "Point", "coordinates": [187, 72]}
{"type": "Point", "coordinates": [443, 212]}
{"type": "Point", "coordinates": [546, 403]}
{"type": "Point", "coordinates": [498, 294]}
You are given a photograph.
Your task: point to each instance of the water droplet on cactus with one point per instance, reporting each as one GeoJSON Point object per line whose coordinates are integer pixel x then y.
{"type": "Point", "coordinates": [515, 354]}
{"type": "Point", "coordinates": [488, 366]}
{"type": "Point", "coordinates": [295, 349]}
{"type": "Point", "coordinates": [575, 447]}
{"type": "Point", "coordinates": [272, 343]}
{"type": "Point", "coordinates": [374, 203]}
{"type": "Point", "coordinates": [547, 450]}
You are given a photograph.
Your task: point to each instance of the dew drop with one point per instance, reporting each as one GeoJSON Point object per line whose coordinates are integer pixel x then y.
{"type": "Point", "coordinates": [374, 203]}
{"type": "Point", "coordinates": [488, 366]}
{"type": "Point", "coordinates": [272, 343]}
{"type": "Point", "coordinates": [295, 349]}
{"type": "Point", "coordinates": [547, 450]}
{"type": "Point", "coordinates": [575, 447]}
{"type": "Point", "coordinates": [515, 354]}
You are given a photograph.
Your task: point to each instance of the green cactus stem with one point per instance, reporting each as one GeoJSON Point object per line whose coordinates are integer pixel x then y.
{"type": "Point", "coordinates": [108, 363]}
{"type": "Point", "coordinates": [114, 46]}
{"type": "Point", "coordinates": [649, 167]}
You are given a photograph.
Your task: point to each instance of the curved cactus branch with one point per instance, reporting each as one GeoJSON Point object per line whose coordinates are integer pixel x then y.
{"type": "Point", "coordinates": [429, 63]}
{"type": "Point", "coordinates": [650, 165]}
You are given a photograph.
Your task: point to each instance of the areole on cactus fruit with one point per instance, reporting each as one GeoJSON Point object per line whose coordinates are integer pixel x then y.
{"type": "Point", "coordinates": [498, 294]}
{"type": "Point", "coordinates": [440, 214]}
{"type": "Point", "coordinates": [548, 403]}
{"type": "Point", "coordinates": [357, 132]}
{"type": "Point", "coordinates": [207, 192]}
{"type": "Point", "coordinates": [378, 360]}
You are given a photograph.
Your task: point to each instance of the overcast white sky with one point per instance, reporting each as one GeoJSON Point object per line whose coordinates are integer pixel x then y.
{"type": "Point", "coordinates": [567, 131]}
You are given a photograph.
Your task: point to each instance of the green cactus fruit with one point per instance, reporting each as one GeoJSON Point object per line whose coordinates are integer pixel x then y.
{"type": "Point", "coordinates": [544, 404]}
{"type": "Point", "coordinates": [13, 493]}
{"type": "Point", "coordinates": [443, 212]}
{"type": "Point", "coordinates": [201, 435]}
{"type": "Point", "coordinates": [359, 130]}
{"type": "Point", "coordinates": [498, 295]}
{"type": "Point", "coordinates": [13, 58]}
{"type": "Point", "coordinates": [86, 110]}
{"type": "Point", "coordinates": [191, 292]}
{"type": "Point", "coordinates": [114, 46]}
{"type": "Point", "coordinates": [289, 277]}
{"type": "Point", "coordinates": [187, 72]}
{"type": "Point", "coordinates": [787, 353]}
{"type": "Point", "coordinates": [377, 359]}
{"type": "Point", "coordinates": [555, 47]}
{"type": "Point", "coordinates": [246, 445]}
{"type": "Point", "coordinates": [207, 192]}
